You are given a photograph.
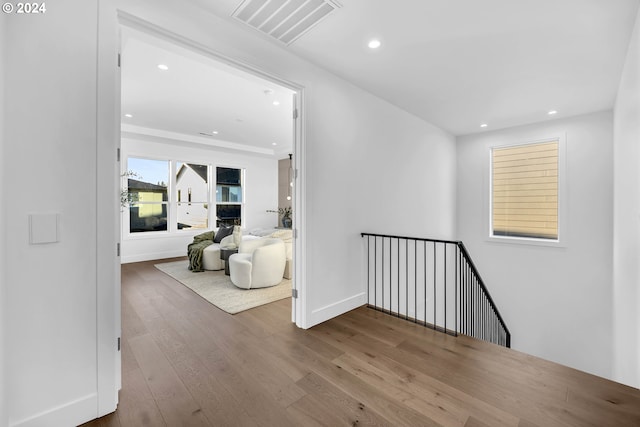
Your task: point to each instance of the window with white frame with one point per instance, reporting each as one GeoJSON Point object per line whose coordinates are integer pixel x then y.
{"type": "Point", "coordinates": [192, 186]}
{"type": "Point", "coordinates": [525, 192]}
{"type": "Point", "coordinates": [147, 185]}
{"type": "Point", "coordinates": [228, 196]}
{"type": "Point", "coordinates": [175, 196]}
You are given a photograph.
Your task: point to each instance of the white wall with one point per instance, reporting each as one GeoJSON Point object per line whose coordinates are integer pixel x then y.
{"type": "Point", "coordinates": [49, 160]}
{"type": "Point", "coordinates": [374, 168]}
{"type": "Point", "coordinates": [260, 190]}
{"type": "Point", "coordinates": [626, 233]}
{"type": "Point", "coordinates": [556, 301]}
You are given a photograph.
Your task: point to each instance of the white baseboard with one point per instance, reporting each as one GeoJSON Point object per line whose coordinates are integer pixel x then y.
{"type": "Point", "coordinates": [330, 311]}
{"type": "Point", "coordinates": [152, 256]}
{"type": "Point", "coordinates": [71, 414]}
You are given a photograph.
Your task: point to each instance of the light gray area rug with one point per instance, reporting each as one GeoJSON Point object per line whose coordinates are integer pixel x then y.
{"type": "Point", "coordinates": [216, 287]}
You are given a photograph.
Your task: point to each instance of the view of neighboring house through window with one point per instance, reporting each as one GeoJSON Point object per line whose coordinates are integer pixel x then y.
{"type": "Point", "coordinates": [228, 196]}
{"type": "Point", "coordinates": [147, 187]}
{"type": "Point", "coordinates": [524, 191]}
{"type": "Point", "coordinates": [192, 184]}
{"type": "Point", "coordinates": [170, 196]}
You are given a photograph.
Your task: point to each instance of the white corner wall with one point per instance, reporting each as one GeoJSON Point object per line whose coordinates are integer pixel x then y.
{"type": "Point", "coordinates": [626, 232]}
{"type": "Point", "coordinates": [557, 302]}
{"type": "Point", "coordinates": [260, 190]}
{"type": "Point", "coordinates": [49, 160]}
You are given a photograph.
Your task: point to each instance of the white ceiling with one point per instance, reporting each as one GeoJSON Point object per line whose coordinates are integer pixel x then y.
{"type": "Point", "coordinates": [461, 63]}
{"type": "Point", "coordinates": [198, 94]}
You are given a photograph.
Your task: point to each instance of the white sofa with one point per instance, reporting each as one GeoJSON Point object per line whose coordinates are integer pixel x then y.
{"type": "Point", "coordinates": [259, 263]}
{"type": "Point", "coordinates": [287, 237]}
{"type": "Point", "coordinates": [211, 254]}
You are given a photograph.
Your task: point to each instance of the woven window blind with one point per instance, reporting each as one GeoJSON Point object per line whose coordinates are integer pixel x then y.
{"type": "Point", "coordinates": [525, 191]}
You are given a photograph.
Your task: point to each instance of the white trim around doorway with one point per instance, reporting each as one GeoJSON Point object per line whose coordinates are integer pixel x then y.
{"type": "Point", "coordinates": [108, 181]}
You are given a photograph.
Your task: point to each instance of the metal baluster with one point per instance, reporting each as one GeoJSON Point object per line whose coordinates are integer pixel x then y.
{"type": "Point", "coordinates": [390, 281]}
{"type": "Point", "coordinates": [382, 274]}
{"type": "Point", "coordinates": [463, 297]}
{"type": "Point", "coordinates": [493, 327]}
{"type": "Point", "coordinates": [484, 320]}
{"type": "Point", "coordinates": [369, 269]}
{"type": "Point", "coordinates": [466, 295]}
{"type": "Point", "coordinates": [482, 307]}
{"type": "Point", "coordinates": [472, 306]}
{"type": "Point", "coordinates": [445, 286]}
{"type": "Point", "coordinates": [406, 278]}
{"type": "Point", "coordinates": [467, 299]}
{"type": "Point", "coordinates": [496, 330]}
{"type": "Point", "coordinates": [375, 271]}
{"type": "Point", "coordinates": [398, 248]}
{"type": "Point", "coordinates": [470, 302]}
{"type": "Point", "coordinates": [425, 283]}
{"type": "Point", "coordinates": [415, 280]}
{"type": "Point", "coordinates": [435, 265]}
{"type": "Point", "coordinates": [455, 298]}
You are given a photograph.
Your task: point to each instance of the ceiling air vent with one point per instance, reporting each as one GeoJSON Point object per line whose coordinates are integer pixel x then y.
{"type": "Point", "coordinates": [284, 20]}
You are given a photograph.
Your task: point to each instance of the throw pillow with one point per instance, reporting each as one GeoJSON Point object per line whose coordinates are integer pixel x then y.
{"type": "Point", "coordinates": [223, 232]}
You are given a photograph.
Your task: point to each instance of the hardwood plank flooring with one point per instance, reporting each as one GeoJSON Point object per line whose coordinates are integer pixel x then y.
{"type": "Point", "coordinates": [185, 362]}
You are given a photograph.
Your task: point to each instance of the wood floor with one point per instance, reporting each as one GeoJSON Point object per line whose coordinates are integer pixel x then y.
{"type": "Point", "coordinates": [187, 363]}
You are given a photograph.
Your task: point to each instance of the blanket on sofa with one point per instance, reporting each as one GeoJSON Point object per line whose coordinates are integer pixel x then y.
{"type": "Point", "coordinates": [195, 248]}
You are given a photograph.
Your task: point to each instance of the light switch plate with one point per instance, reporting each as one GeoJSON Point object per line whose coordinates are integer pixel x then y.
{"type": "Point", "coordinates": [43, 228]}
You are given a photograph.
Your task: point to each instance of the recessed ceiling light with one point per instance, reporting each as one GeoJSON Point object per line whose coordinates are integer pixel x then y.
{"type": "Point", "coordinates": [276, 103]}
{"type": "Point", "coordinates": [552, 112]}
{"type": "Point", "coordinates": [215, 132]}
{"type": "Point", "coordinates": [274, 143]}
{"type": "Point", "coordinates": [374, 44]}
{"type": "Point", "coordinates": [484, 125]}
{"type": "Point", "coordinates": [128, 115]}
{"type": "Point", "coordinates": [163, 67]}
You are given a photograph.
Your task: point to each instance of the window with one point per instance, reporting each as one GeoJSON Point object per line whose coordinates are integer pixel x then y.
{"type": "Point", "coordinates": [525, 191]}
{"type": "Point", "coordinates": [175, 196]}
{"type": "Point", "coordinates": [228, 196]}
{"type": "Point", "coordinates": [193, 180]}
{"type": "Point", "coordinates": [147, 187]}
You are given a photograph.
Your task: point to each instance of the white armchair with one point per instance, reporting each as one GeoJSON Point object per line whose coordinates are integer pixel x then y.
{"type": "Point", "coordinates": [259, 263]}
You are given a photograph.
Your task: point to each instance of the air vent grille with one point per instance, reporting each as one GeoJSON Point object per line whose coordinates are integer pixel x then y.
{"type": "Point", "coordinates": [284, 20]}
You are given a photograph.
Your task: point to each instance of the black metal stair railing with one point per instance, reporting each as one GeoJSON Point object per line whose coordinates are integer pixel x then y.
{"type": "Point", "coordinates": [434, 283]}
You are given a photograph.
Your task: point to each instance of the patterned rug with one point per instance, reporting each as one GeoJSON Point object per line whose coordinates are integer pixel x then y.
{"type": "Point", "coordinates": [216, 287]}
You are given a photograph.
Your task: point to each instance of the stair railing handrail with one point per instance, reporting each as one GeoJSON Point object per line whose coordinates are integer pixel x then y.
{"type": "Point", "coordinates": [469, 262]}
{"type": "Point", "coordinates": [420, 239]}
{"type": "Point", "coordinates": [467, 257]}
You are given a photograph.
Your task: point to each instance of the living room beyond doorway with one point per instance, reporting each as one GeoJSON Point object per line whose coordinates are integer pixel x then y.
{"type": "Point", "coordinates": [185, 107]}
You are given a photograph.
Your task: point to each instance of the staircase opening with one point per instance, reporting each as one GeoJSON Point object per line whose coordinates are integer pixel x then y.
{"type": "Point", "coordinates": [433, 283]}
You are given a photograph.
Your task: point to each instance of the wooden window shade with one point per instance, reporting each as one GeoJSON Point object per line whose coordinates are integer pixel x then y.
{"type": "Point", "coordinates": [525, 191]}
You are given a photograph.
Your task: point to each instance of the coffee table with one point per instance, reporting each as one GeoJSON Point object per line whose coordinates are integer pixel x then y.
{"type": "Point", "coordinates": [224, 255]}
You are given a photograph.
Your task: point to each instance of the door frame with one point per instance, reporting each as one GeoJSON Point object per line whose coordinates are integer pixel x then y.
{"type": "Point", "coordinates": [108, 183]}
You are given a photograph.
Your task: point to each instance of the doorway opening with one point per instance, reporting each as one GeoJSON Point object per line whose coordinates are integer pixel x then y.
{"type": "Point", "coordinates": [183, 106]}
